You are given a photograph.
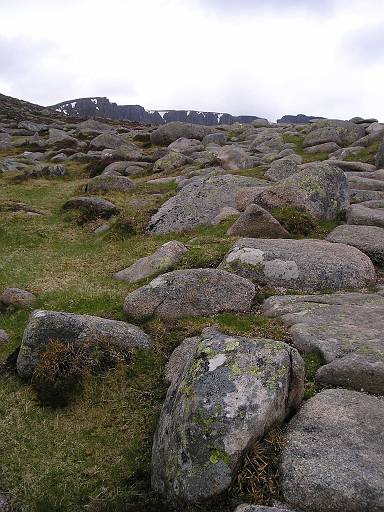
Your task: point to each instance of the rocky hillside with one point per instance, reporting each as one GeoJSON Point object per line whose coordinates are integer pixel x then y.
{"type": "Point", "coordinates": [102, 107]}
{"type": "Point", "coordinates": [191, 316]}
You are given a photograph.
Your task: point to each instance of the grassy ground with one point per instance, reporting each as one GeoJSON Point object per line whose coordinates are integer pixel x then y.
{"type": "Point", "coordinates": [93, 455]}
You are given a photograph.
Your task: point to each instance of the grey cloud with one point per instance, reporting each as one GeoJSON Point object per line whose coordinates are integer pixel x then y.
{"type": "Point", "coordinates": [366, 45]}
{"type": "Point", "coordinates": [247, 6]}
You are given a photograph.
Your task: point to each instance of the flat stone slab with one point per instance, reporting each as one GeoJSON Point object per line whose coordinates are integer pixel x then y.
{"type": "Point", "coordinates": [346, 329]}
{"type": "Point", "coordinates": [368, 239]}
{"type": "Point", "coordinates": [192, 292]}
{"type": "Point", "coordinates": [362, 183]}
{"type": "Point", "coordinates": [333, 459]}
{"type": "Point", "coordinates": [367, 213]}
{"type": "Point", "coordinates": [304, 265]}
{"type": "Point", "coordinates": [160, 261]}
{"type": "Point", "coordinates": [225, 393]}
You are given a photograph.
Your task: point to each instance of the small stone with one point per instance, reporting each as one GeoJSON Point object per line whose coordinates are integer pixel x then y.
{"type": "Point", "coordinates": [17, 298]}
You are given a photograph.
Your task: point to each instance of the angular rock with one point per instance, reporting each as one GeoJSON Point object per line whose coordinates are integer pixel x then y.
{"type": "Point", "coordinates": [379, 161]}
{"type": "Point", "coordinates": [343, 133]}
{"type": "Point", "coordinates": [226, 392]}
{"type": "Point", "coordinates": [47, 171]}
{"type": "Point", "coordinates": [267, 141]}
{"type": "Point", "coordinates": [345, 329]}
{"type": "Point", "coordinates": [17, 298]}
{"type": "Point", "coordinates": [255, 222]}
{"type": "Point", "coordinates": [333, 460]}
{"type": "Point", "coordinates": [353, 166]}
{"type": "Point", "coordinates": [105, 183]}
{"type": "Point", "coordinates": [360, 196]}
{"type": "Point", "coordinates": [199, 202]}
{"type": "Point", "coordinates": [60, 137]}
{"type": "Point", "coordinates": [45, 326]}
{"type": "Point", "coordinates": [304, 265]}
{"type": "Point", "coordinates": [110, 141]}
{"type": "Point", "coordinates": [93, 207]}
{"type": "Point", "coordinates": [193, 292]}
{"type": "Point", "coordinates": [170, 132]}
{"type": "Point", "coordinates": [159, 262]}
{"type": "Point", "coordinates": [320, 189]}
{"type": "Point", "coordinates": [368, 239]}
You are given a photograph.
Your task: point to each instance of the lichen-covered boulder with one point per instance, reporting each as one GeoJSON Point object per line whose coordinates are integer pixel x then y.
{"type": "Point", "coordinates": [304, 265]}
{"type": "Point", "coordinates": [226, 392]}
{"type": "Point", "coordinates": [199, 202]}
{"type": "Point", "coordinates": [192, 292]}
{"type": "Point", "coordinates": [344, 329]}
{"type": "Point", "coordinates": [342, 133]}
{"type": "Point", "coordinates": [160, 261]}
{"type": "Point", "coordinates": [367, 213]}
{"type": "Point", "coordinates": [333, 459]}
{"type": "Point", "coordinates": [46, 326]}
{"type": "Point", "coordinates": [319, 189]}
{"type": "Point", "coordinates": [232, 158]}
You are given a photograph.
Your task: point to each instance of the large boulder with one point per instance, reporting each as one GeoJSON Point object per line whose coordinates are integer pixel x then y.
{"type": "Point", "coordinates": [61, 138]}
{"type": "Point", "coordinates": [345, 329]}
{"type": "Point", "coordinates": [199, 202]}
{"type": "Point", "coordinates": [164, 135]}
{"type": "Point", "coordinates": [267, 141]}
{"type": "Point", "coordinates": [333, 460]}
{"type": "Point", "coordinates": [379, 161]}
{"type": "Point", "coordinates": [109, 182]}
{"type": "Point", "coordinates": [225, 393]}
{"type": "Point", "coordinates": [368, 239]}
{"type": "Point", "coordinates": [111, 141]}
{"type": "Point", "coordinates": [92, 207]}
{"type": "Point", "coordinates": [255, 222]}
{"type": "Point", "coordinates": [46, 326]}
{"type": "Point", "coordinates": [319, 189]}
{"type": "Point", "coordinates": [193, 292]}
{"type": "Point", "coordinates": [160, 261]}
{"type": "Point", "coordinates": [303, 265]}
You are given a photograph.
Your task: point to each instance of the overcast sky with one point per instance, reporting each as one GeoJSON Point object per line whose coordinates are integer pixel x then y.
{"type": "Point", "coordinates": [256, 57]}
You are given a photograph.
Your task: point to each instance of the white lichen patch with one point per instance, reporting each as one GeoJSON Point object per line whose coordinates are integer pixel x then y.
{"type": "Point", "coordinates": [39, 313]}
{"type": "Point", "coordinates": [159, 281]}
{"type": "Point", "coordinates": [280, 269]}
{"type": "Point", "coordinates": [216, 361]}
{"type": "Point", "coordinates": [246, 255]}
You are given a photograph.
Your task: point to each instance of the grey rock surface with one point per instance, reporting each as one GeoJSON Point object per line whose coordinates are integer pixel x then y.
{"type": "Point", "coordinates": [303, 265]}
{"type": "Point", "coordinates": [281, 169]}
{"type": "Point", "coordinates": [199, 202]}
{"type": "Point", "coordinates": [193, 292]}
{"type": "Point", "coordinates": [92, 206]}
{"type": "Point", "coordinates": [345, 329]}
{"type": "Point", "coordinates": [164, 135]}
{"type": "Point", "coordinates": [255, 222]}
{"type": "Point", "coordinates": [368, 239]}
{"type": "Point", "coordinates": [105, 183]}
{"type": "Point", "coordinates": [333, 460]}
{"type": "Point", "coordinates": [45, 326]}
{"type": "Point", "coordinates": [367, 213]}
{"type": "Point", "coordinates": [17, 298]}
{"type": "Point", "coordinates": [4, 336]}
{"type": "Point", "coordinates": [159, 262]}
{"type": "Point", "coordinates": [226, 393]}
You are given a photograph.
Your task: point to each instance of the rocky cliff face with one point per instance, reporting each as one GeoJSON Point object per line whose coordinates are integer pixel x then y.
{"type": "Point", "coordinates": [102, 107]}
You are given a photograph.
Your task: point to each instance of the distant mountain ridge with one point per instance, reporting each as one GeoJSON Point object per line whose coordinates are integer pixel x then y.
{"type": "Point", "coordinates": [102, 107]}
